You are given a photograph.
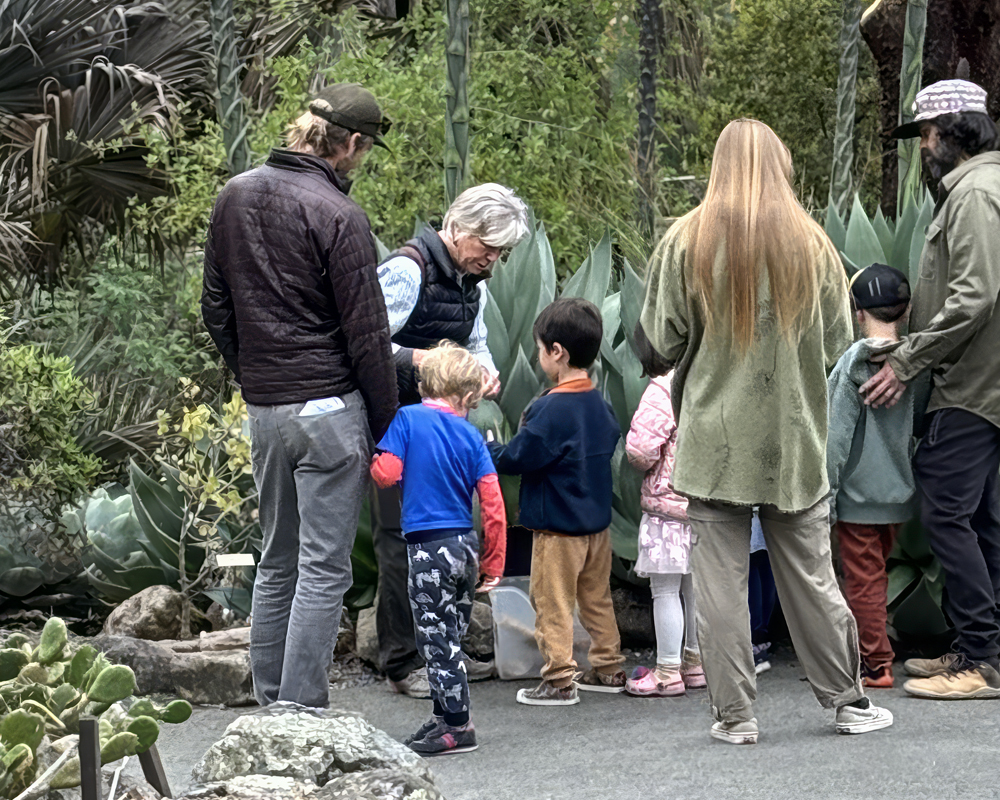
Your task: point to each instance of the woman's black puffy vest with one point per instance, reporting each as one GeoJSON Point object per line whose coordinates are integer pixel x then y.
{"type": "Point", "coordinates": [447, 306]}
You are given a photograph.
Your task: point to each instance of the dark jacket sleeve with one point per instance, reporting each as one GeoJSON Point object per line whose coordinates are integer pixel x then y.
{"type": "Point", "coordinates": [217, 309]}
{"type": "Point", "coordinates": [528, 451]}
{"type": "Point", "coordinates": [407, 376]}
{"type": "Point", "coordinates": [363, 318]}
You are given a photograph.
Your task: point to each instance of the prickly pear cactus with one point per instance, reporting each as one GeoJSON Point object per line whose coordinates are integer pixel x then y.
{"type": "Point", "coordinates": [45, 690]}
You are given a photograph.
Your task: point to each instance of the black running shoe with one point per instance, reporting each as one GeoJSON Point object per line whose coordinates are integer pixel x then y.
{"type": "Point", "coordinates": [423, 730]}
{"type": "Point", "coordinates": [444, 739]}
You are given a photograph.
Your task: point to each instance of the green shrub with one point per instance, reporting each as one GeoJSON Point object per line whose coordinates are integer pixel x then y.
{"type": "Point", "coordinates": [42, 403]}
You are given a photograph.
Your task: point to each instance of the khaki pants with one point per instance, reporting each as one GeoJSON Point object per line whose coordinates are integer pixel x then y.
{"type": "Point", "coordinates": [823, 630]}
{"type": "Point", "coordinates": [570, 571]}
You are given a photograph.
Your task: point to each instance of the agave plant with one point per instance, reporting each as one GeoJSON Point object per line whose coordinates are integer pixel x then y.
{"type": "Point", "coordinates": [847, 80]}
{"type": "Point", "coordinates": [456, 118]}
{"type": "Point", "coordinates": [909, 85]}
{"type": "Point", "coordinates": [865, 240]}
{"type": "Point", "coordinates": [228, 97]}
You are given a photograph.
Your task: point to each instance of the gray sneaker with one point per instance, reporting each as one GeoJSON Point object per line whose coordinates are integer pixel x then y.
{"type": "Point", "coordinates": [853, 719]}
{"type": "Point", "coordinates": [735, 732]}
{"type": "Point", "coordinates": [594, 681]}
{"type": "Point", "coordinates": [545, 694]}
{"type": "Point", "coordinates": [929, 667]}
{"type": "Point", "coordinates": [444, 739]}
{"type": "Point", "coordinates": [423, 730]}
{"type": "Point", "coordinates": [413, 685]}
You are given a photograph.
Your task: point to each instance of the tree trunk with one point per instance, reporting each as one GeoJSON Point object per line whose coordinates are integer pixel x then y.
{"type": "Point", "coordinates": [955, 29]}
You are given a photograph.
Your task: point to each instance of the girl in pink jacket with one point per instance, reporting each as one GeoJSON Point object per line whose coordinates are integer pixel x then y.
{"type": "Point", "coordinates": [664, 548]}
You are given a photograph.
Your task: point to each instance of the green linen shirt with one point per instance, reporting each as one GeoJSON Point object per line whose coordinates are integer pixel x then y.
{"type": "Point", "coordinates": [954, 330]}
{"type": "Point", "coordinates": [751, 428]}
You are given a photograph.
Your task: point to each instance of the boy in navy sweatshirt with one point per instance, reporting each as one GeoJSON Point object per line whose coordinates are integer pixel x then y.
{"type": "Point", "coordinates": [563, 453]}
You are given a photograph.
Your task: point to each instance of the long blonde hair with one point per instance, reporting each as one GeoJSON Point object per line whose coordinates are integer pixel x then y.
{"type": "Point", "coordinates": [751, 206]}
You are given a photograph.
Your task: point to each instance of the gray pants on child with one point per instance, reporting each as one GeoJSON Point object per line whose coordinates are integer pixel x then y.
{"type": "Point", "coordinates": [311, 475]}
{"type": "Point", "coordinates": [823, 630]}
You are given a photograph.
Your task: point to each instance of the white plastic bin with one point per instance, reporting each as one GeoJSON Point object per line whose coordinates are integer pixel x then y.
{"type": "Point", "coordinates": [514, 646]}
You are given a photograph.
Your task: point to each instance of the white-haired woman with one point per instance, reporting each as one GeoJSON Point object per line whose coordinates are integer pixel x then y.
{"type": "Point", "coordinates": [432, 292]}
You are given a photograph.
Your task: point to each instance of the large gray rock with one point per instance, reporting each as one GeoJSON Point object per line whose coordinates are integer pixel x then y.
{"type": "Point", "coordinates": [230, 639]}
{"type": "Point", "coordinates": [256, 787]}
{"type": "Point", "coordinates": [214, 678]}
{"type": "Point", "coordinates": [478, 641]}
{"type": "Point", "coordinates": [380, 784]}
{"type": "Point", "coordinates": [366, 637]}
{"type": "Point", "coordinates": [154, 614]}
{"type": "Point", "coordinates": [309, 748]}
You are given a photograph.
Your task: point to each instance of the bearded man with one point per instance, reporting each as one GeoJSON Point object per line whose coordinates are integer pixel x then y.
{"type": "Point", "coordinates": [955, 334]}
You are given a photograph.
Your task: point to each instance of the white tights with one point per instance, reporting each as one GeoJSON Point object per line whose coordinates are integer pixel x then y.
{"type": "Point", "coordinates": [674, 622]}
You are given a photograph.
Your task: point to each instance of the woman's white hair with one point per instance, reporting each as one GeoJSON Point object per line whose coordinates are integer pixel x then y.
{"type": "Point", "coordinates": [491, 212]}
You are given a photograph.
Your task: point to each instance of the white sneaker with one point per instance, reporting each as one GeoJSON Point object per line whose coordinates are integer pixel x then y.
{"type": "Point", "coordinates": [760, 658]}
{"type": "Point", "coordinates": [735, 732]}
{"type": "Point", "coordinates": [413, 685]}
{"type": "Point", "coordinates": [851, 719]}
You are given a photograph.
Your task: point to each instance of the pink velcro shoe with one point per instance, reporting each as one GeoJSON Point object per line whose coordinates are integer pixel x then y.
{"type": "Point", "coordinates": [693, 676]}
{"type": "Point", "coordinates": [647, 683]}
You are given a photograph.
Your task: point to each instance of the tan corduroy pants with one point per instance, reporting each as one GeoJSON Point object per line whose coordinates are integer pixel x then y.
{"type": "Point", "coordinates": [822, 627]}
{"type": "Point", "coordinates": [570, 571]}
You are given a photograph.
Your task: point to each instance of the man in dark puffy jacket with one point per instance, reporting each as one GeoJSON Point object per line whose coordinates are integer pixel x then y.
{"type": "Point", "coordinates": [434, 290]}
{"type": "Point", "coordinates": [291, 298]}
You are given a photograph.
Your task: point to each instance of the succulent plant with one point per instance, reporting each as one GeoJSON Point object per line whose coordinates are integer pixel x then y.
{"type": "Point", "coordinates": [46, 689]}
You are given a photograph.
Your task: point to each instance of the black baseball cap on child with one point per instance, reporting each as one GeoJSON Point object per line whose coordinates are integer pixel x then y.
{"type": "Point", "coordinates": [879, 286]}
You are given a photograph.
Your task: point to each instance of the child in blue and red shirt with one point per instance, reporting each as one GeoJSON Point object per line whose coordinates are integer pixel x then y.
{"type": "Point", "coordinates": [440, 459]}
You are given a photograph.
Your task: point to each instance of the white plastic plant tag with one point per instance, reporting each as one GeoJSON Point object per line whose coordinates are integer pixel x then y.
{"type": "Point", "coordinates": [324, 406]}
{"type": "Point", "coordinates": [234, 559]}
{"type": "Point", "coordinates": [489, 436]}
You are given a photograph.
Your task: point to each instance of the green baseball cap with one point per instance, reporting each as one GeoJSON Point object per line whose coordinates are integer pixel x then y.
{"type": "Point", "coordinates": [352, 107]}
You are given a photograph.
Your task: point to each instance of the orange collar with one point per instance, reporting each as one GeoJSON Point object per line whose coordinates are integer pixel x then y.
{"type": "Point", "coordinates": [572, 387]}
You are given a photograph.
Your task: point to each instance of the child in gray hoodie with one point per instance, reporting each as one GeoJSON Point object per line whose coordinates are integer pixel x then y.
{"type": "Point", "coordinates": [868, 460]}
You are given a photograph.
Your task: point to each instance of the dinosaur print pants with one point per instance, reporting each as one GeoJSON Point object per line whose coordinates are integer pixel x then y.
{"type": "Point", "coordinates": [442, 582]}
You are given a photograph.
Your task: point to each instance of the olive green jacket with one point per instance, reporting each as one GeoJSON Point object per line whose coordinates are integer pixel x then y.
{"type": "Point", "coordinates": [954, 329]}
{"type": "Point", "coordinates": [751, 429]}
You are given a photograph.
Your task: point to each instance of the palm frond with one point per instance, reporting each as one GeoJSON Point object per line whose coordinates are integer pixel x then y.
{"type": "Point", "coordinates": [43, 39]}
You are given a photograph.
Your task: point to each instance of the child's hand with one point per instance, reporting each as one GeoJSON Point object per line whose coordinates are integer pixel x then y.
{"type": "Point", "coordinates": [489, 582]}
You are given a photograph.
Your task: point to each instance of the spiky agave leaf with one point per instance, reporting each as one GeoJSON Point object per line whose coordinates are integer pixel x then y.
{"type": "Point", "coordinates": [847, 80]}
{"type": "Point", "coordinates": [457, 169]}
{"type": "Point", "coordinates": [228, 97]}
{"type": "Point", "coordinates": [909, 84]}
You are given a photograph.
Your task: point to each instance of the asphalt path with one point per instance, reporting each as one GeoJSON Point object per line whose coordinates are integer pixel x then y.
{"type": "Point", "coordinates": [613, 746]}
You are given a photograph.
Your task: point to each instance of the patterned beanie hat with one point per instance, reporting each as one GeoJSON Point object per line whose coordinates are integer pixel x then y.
{"type": "Point", "coordinates": [943, 97]}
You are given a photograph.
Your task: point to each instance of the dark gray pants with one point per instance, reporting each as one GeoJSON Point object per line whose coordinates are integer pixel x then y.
{"type": "Point", "coordinates": [311, 474]}
{"type": "Point", "coordinates": [956, 467]}
{"type": "Point", "coordinates": [397, 646]}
